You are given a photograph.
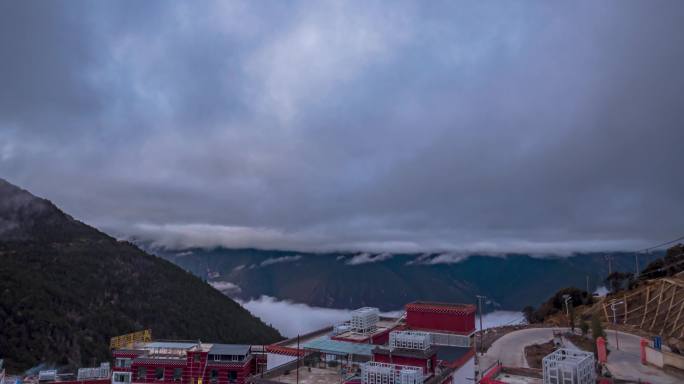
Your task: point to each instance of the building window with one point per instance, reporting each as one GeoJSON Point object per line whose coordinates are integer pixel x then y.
{"type": "Point", "coordinates": [177, 374]}
{"type": "Point", "coordinates": [196, 357]}
{"type": "Point", "coordinates": [213, 375]}
{"type": "Point", "coordinates": [122, 377]}
{"type": "Point", "coordinates": [142, 373]}
{"type": "Point", "coordinates": [232, 376]}
{"type": "Point", "coordinates": [159, 373]}
{"type": "Point", "coordinates": [123, 362]}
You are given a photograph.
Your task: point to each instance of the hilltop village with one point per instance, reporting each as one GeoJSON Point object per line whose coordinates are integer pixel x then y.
{"type": "Point", "coordinates": [428, 343]}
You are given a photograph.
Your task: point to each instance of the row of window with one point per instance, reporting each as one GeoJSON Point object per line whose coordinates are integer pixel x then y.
{"type": "Point", "coordinates": [122, 362]}
{"type": "Point", "coordinates": [159, 373]}
{"type": "Point", "coordinates": [226, 357]}
{"type": "Point", "coordinates": [141, 374]}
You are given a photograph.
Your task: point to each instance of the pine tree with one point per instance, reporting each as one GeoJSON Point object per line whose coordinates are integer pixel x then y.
{"type": "Point", "coordinates": [584, 327]}
{"type": "Point", "coordinates": [596, 327]}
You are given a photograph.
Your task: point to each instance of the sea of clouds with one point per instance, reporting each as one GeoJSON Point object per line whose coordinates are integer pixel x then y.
{"type": "Point", "coordinates": [293, 319]}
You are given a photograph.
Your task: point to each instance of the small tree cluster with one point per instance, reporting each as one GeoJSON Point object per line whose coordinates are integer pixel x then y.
{"type": "Point", "coordinates": [556, 304]}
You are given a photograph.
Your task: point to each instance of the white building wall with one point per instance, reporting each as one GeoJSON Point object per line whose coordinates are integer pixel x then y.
{"type": "Point", "coordinates": [465, 374]}
{"type": "Point", "coordinates": [654, 357]}
{"type": "Point", "coordinates": [274, 360]}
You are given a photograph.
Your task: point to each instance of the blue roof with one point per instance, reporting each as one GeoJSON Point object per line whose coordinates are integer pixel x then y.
{"type": "Point", "coordinates": [336, 347]}
{"type": "Point", "coordinates": [229, 349]}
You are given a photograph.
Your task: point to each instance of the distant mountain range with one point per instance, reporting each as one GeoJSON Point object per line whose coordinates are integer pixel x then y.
{"type": "Point", "coordinates": [350, 280]}
{"type": "Point", "coordinates": [66, 288]}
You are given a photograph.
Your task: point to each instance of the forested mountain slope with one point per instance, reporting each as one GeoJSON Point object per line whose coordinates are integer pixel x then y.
{"type": "Point", "coordinates": [351, 280]}
{"type": "Point", "coordinates": [66, 288]}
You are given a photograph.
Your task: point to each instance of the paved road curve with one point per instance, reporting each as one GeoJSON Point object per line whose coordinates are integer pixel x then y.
{"type": "Point", "coordinates": [624, 363]}
{"type": "Point", "coordinates": [510, 348]}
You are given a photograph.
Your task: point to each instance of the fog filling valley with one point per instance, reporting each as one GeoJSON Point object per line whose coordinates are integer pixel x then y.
{"type": "Point", "coordinates": [293, 319]}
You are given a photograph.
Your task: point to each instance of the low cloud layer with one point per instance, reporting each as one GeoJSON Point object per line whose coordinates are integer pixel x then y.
{"type": "Point", "coordinates": [293, 319]}
{"type": "Point", "coordinates": [226, 287]}
{"type": "Point", "coordinates": [365, 258]}
{"type": "Point", "coordinates": [368, 126]}
{"type": "Point", "coordinates": [278, 260]}
{"type": "Point", "coordinates": [443, 258]}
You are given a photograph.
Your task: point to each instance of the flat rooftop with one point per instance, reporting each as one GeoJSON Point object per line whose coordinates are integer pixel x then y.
{"type": "Point", "coordinates": [383, 325]}
{"type": "Point", "coordinates": [517, 379]}
{"type": "Point", "coordinates": [229, 349]}
{"type": "Point", "coordinates": [168, 345]}
{"type": "Point", "coordinates": [450, 354]}
{"type": "Point", "coordinates": [315, 376]}
{"type": "Point", "coordinates": [512, 375]}
{"type": "Point", "coordinates": [292, 342]}
{"type": "Point", "coordinates": [415, 353]}
{"type": "Point", "coordinates": [336, 347]}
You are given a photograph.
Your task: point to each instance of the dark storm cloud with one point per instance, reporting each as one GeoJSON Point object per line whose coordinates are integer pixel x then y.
{"type": "Point", "coordinates": [372, 126]}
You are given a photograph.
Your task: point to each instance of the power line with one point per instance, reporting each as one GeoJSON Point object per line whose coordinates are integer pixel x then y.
{"type": "Point", "coordinates": [664, 268]}
{"type": "Point", "coordinates": [660, 245]}
{"type": "Point", "coordinates": [636, 253]}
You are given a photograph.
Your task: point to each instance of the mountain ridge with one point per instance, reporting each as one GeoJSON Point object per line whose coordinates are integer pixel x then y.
{"type": "Point", "coordinates": [333, 280]}
{"type": "Point", "coordinates": [66, 288]}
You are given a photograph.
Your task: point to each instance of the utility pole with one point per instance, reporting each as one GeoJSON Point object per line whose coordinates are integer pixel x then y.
{"type": "Point", "coordinates": [636, 264]}
{"type": "Point", "coordinates": [588, 291]}
{"type": "Point", "coordinates": [609, 259]}
{"type": "Point", "coordinates": [479, 305]}
{"type": "Point", "coordinates": [567, 298]}
{"type": "Point", "coordinates": [297, 359]}
{"type": "Point", "coordinates": [613, 306]}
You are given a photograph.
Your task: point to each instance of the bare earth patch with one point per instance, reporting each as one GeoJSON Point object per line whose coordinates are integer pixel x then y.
{"type": "Point", "coordinates": [582, 342]}
{"type": "Point", "coordinates": [536, 352]}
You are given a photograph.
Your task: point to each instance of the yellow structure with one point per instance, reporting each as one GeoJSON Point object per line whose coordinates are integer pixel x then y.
{"type": "Point", "coordinates": [127, 340]}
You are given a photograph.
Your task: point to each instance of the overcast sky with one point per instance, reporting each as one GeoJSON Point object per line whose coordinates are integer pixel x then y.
{"type": "Point", "coordinates": [386, 126]}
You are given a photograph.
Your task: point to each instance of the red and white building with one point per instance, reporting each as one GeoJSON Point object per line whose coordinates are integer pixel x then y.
{"type": "Point", "coordinates": [185, 363]}
{"type": "Point", "coordinates": [432, 343]}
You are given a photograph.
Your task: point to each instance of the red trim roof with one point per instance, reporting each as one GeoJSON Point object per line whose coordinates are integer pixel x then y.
{"type": "Point", "coordinates": [284, 350]}
{"type": "Point", "coordinates": [455, 309]}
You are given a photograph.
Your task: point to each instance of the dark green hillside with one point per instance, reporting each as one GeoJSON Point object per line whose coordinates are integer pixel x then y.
{"type": "Point", "coordinates": [66, 288]}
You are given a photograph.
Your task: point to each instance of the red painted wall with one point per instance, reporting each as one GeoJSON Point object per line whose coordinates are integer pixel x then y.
{"type": "Point", "coordinates": [428, 318]}
{"type": "Point", "coordinates": [381, 338]}
{"type": "Point", "coordinates": [193, 370]}
{"type": "Point", "coordinates": [489, 377]}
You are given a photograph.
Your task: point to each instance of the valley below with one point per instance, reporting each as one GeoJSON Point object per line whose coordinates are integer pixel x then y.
{"type": "Point", "coordinates": [389, 281]}
{"type": "Point", "coordinates": [292, 319]}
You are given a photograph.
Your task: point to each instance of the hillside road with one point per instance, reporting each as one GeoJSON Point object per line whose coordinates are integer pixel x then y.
{"type": "Point", "coordinates": [623, 364]}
